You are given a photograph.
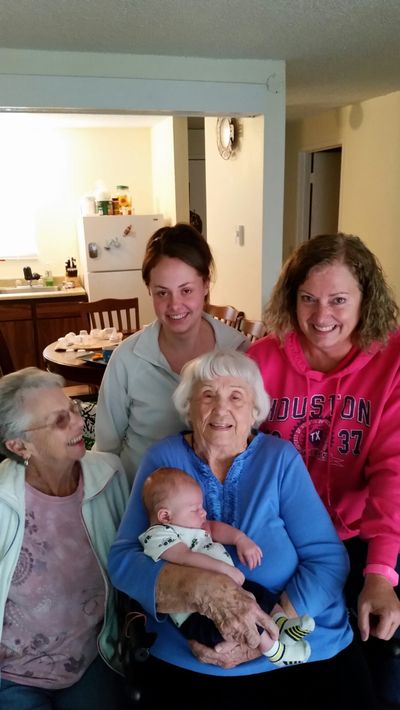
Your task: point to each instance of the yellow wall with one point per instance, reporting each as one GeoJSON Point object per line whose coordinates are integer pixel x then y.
{"type": "Point", "coordinates": [181, 172]}
{"type": "Point", "coordinates": [56, 168]}
{"type": "Point", "coordinates": [163, 170]}
{"type": "Point", "coordinates": [369, 134]}
{"type": "Point", "coordinates": [235, 197]}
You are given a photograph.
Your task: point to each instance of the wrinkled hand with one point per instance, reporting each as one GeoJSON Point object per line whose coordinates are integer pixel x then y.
{"type": "Point", "coordinates": [233, 610]}
{"type": "Point", "coordinates": [378, 608]}
{"type": "Point", "coordinates": [248, 552]}
{"type": "Point", "coordinates": [228, 654]}
{"type": "Point", "coordinates": [236, 613]}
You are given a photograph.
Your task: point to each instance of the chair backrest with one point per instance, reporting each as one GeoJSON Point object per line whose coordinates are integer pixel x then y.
{"type": "Point", "coordinates": [252, 329]}
{"type": "Point", "coordinates": [228, 314]}
{"type": "Point", "coordinates": [6, 363]}
{"type": "Point", "coordinates": [123, 313]}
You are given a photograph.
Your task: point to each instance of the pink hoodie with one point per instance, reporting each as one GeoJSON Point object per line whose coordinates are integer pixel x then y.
{"type": "Point", "coordinates": [346, 425]}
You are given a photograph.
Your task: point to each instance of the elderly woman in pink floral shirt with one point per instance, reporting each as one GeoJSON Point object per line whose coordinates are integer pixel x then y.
{"type": "Point", "coordinates": [59, 510]}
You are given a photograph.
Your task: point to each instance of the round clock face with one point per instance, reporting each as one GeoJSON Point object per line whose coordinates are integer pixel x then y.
{"type": "Point", "coordinates": [225, 137]}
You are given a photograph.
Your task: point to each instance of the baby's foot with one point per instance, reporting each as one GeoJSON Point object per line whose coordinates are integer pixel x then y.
{"type": "Point", "coordinates": [293, 630]}
{"type": "Point", "coordinates": [281, 655]}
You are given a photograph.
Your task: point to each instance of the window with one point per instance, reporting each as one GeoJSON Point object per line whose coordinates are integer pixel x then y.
{"type": "Point", "coordinates": [17, 233]}
{"type": "Point", "coordinates": [19, 167]}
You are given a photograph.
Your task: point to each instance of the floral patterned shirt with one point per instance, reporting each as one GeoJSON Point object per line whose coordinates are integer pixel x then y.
{"type": "Point", "coordinates": [56, 599]}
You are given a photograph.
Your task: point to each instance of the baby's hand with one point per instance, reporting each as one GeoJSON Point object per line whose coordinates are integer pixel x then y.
{"type": "Point", "coordinates": [248, 552]}
{"type": "Point", "coordinates": [236, 575]}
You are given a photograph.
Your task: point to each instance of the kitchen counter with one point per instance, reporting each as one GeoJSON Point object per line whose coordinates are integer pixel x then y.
{"type": "Point", "coordinates": [62, 293]}
{"type": "Point", "coordinates": [15, 294]}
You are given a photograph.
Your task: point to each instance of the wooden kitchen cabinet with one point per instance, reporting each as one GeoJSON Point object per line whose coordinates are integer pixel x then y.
{"type": "Point", "coordinates": [55, 319]}
{"type": "Point", "coordinates": [29, 325]}
{"type": "Point", "coordinates": [16, 324]}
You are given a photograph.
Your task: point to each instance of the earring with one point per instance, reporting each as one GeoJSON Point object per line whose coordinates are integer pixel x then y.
{"type": "Point", "coordinates": [26, 462]}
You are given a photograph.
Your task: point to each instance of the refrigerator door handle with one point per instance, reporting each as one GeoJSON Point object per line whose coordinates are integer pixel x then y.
{"type": "Point", "coordinates": [93, 250]}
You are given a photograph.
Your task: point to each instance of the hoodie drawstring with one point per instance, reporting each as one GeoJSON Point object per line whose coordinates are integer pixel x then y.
{"type": "Point", "coordinates": [328, 473]}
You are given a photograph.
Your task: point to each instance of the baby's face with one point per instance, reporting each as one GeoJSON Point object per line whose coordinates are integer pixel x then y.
{"type": "Point", "coordinates": [186, 507]}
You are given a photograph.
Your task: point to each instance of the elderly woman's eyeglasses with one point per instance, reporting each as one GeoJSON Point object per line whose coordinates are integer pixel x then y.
{"type": "Point", "coordinates": [62, 418]}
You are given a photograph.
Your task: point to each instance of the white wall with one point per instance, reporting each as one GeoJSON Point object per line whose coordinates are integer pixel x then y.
{"type": "Point", "coordinates": [235, 197]}
{"type": "Point", "coordinates": [370, 177]}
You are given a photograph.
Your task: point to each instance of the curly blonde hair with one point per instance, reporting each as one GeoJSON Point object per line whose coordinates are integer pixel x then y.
{"type": "Point", "coordinates": [379, 311]}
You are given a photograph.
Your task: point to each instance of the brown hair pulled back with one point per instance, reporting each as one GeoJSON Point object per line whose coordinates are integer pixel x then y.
{"type": "Point", "coordinates": [182, 242]}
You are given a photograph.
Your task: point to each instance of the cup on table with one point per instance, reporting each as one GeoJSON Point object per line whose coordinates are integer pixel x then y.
{"type": "Point", "coordinates": [109, 332]}
{"type": "Point", "coordinates": [107, 351]}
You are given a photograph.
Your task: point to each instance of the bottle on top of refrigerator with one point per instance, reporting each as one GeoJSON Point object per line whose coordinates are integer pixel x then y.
{"type": "Point", "coordinates": [88, 205]}
{"type": "Point", "coordinates": [103, 199]}
{"type": "Point", "coordinates": [124, 199]}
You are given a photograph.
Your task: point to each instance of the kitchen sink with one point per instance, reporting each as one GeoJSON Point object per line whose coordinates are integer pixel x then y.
{"type": "Point", "coordinates": [36, 288]}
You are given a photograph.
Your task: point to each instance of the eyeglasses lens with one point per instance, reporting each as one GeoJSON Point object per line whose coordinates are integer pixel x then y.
{"type": "Point", "coordinates": [63, 418]}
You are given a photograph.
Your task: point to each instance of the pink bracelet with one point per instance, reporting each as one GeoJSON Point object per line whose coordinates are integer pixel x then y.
{"type": "Point", "coordinates": [388, 572]}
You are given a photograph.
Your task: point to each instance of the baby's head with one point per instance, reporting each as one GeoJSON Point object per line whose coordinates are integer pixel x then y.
{"type": "Point", "coordinates": [171, 496]}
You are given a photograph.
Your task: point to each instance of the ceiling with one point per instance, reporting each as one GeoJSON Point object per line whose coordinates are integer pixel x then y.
{"type": "Point", "coordinates": [337, 51]}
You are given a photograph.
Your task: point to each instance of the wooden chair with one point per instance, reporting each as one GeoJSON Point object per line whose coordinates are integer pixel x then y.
{"type": "Point", "coordinates": [123, 313]}
{"type": "Point", "coordinates": [228, 314]}
{"type": "Point", "coordinates": [252, 329]}
{"type": "Point", "coordinates": [6, 363]}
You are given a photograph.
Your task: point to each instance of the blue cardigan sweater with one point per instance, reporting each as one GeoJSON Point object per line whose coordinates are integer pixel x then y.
{"type": "Point", "coordinates": [269, 495]}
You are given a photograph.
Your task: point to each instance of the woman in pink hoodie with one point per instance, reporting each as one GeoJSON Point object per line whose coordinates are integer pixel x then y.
{"type": "Point", "coordinates": [331, 364]}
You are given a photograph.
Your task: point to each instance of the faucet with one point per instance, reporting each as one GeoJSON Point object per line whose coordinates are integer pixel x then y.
{"type": "Point", "coordinates": [29, 276]}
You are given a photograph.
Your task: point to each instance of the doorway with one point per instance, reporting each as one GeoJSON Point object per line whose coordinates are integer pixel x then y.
{"type": "Point", "coordinates": [197, 174]}
{"type": "Point", "coordinates": [319, 193]}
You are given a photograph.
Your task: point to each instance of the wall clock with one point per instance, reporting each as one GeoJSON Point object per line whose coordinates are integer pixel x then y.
{"type": "Point", "coordinates": [226, 136]}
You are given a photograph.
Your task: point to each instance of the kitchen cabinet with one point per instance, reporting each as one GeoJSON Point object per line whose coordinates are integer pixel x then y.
{"type": "Point", "coordinates": [29, 325]}
{"type": "Point", "coordinates": [17, 327]}
{"type": "Point", "coordinates": [55, 319]}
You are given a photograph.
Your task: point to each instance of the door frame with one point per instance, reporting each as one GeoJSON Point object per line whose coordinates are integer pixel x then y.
{"type": "Point", "coordinates": [304, 166]}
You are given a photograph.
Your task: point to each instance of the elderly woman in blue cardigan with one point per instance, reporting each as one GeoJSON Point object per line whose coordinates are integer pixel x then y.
{"type": "Point", "coordinates": [259, 484]}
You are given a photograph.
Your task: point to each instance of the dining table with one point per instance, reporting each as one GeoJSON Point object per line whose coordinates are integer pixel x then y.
{"type": "Point", "coordinates": [75, 365]}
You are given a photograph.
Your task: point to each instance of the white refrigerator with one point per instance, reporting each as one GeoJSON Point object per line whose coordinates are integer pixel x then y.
{"type": "Point", "coordinates": [111, 250]}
